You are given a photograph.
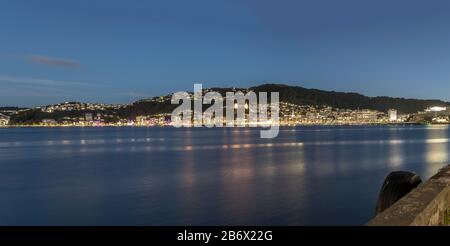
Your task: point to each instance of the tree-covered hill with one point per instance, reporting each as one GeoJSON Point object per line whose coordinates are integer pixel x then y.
{"type": "Point", "coordinates": [303, 96]}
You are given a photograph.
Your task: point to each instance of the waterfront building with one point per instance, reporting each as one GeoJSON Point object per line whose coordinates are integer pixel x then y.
{"type": "Point", "coordinates": [141, 120]}
{"type": "Point", "coordinates": [49, 122]}
{"type": "Point", "coordinates": [4, 120]}
{"type": "Point", "coordinates": [440, 120]}
{"type": "Point", "coordinates": [365, 116]}
{"type": "Point", "coordinates": [392, 114]}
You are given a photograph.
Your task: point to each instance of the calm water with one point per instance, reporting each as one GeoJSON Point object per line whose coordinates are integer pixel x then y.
{"type": "Point", "coordinates": [167, 176]}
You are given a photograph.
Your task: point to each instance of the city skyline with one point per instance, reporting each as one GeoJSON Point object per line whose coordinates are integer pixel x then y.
{"type": "Point", "coordinates": [297, 106]}
{"type": "Point", "coordinates": [116, 52]}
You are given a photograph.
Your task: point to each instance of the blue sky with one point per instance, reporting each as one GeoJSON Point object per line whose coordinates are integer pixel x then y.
{"type": "Point", "coordinates": [119, 51]}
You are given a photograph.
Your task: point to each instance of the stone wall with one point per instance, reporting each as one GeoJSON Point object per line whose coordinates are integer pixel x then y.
{"type": "Point", "coordinates": [428, 204]}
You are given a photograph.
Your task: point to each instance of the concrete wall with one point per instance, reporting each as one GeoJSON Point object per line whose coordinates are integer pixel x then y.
{"type": "Point", "coordinates": [428, 204]}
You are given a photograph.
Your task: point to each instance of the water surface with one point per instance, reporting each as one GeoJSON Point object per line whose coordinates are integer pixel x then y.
{"type": "Point", "coordinates": [221, 176]}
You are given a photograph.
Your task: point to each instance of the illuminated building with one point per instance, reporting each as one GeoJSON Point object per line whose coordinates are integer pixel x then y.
{"type": "Point", "coordinates": [392, 114]}
{"type": "Point", "coordinates": [4, 120]}
{"type": "Point", "coordinates": [436, 109]}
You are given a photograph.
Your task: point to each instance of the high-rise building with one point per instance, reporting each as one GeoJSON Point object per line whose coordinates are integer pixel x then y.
{"type": "Point", "coordinates": [4, 120]}
{"type": "Point", "coordinates": [392, 115]}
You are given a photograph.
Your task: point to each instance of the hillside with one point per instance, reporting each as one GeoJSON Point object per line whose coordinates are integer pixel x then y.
{"type": "Point", "coordinates": [291, 94]}
{"type": "Point", "coordinates": [303, 96]}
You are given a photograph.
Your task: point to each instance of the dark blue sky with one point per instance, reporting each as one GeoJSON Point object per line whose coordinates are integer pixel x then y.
{"type": "Point", "coordinates": [119, 51]}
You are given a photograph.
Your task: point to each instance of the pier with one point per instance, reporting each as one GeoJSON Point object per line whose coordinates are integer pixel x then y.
{"type": "Point", "coordinates": [426, 205]}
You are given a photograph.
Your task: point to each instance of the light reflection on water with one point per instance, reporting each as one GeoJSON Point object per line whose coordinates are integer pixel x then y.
{"type": "Point", "coordinates": [167, 176]}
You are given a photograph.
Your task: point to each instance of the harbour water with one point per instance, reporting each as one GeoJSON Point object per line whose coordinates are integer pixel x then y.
{"type": "Point", "coordinates": [198, 176]}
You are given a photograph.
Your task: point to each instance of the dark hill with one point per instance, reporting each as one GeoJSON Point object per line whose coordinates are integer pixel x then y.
{"type": "Point", "coordinates": [303, 96]}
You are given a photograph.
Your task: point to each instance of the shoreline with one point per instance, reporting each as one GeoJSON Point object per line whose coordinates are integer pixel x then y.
{"type": "Point", "coordinates": [164, 126]}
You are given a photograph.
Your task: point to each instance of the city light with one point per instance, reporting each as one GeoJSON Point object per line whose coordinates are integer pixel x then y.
{"type": "Point", "coordinates": [436, 109]}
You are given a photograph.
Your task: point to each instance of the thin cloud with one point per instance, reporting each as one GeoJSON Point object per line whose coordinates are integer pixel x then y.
{"type": "Point", "coordinates": [52, 61]}
{"type": "Point", "coordinates": [40, 82]}
{"type": "Point", "coordinates": [6, 92]}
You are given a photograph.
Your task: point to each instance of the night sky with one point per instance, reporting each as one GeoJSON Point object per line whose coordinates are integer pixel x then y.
{"type": "Point", "coordinates": [120, 51]}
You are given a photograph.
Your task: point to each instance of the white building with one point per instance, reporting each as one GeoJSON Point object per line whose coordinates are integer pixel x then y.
{"type": "Point", "coordinates": [392, 113]}
{"type": "Point", "coordinates": [4, 120]}
{"type": "Point", "coordinates": [436, 109]}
